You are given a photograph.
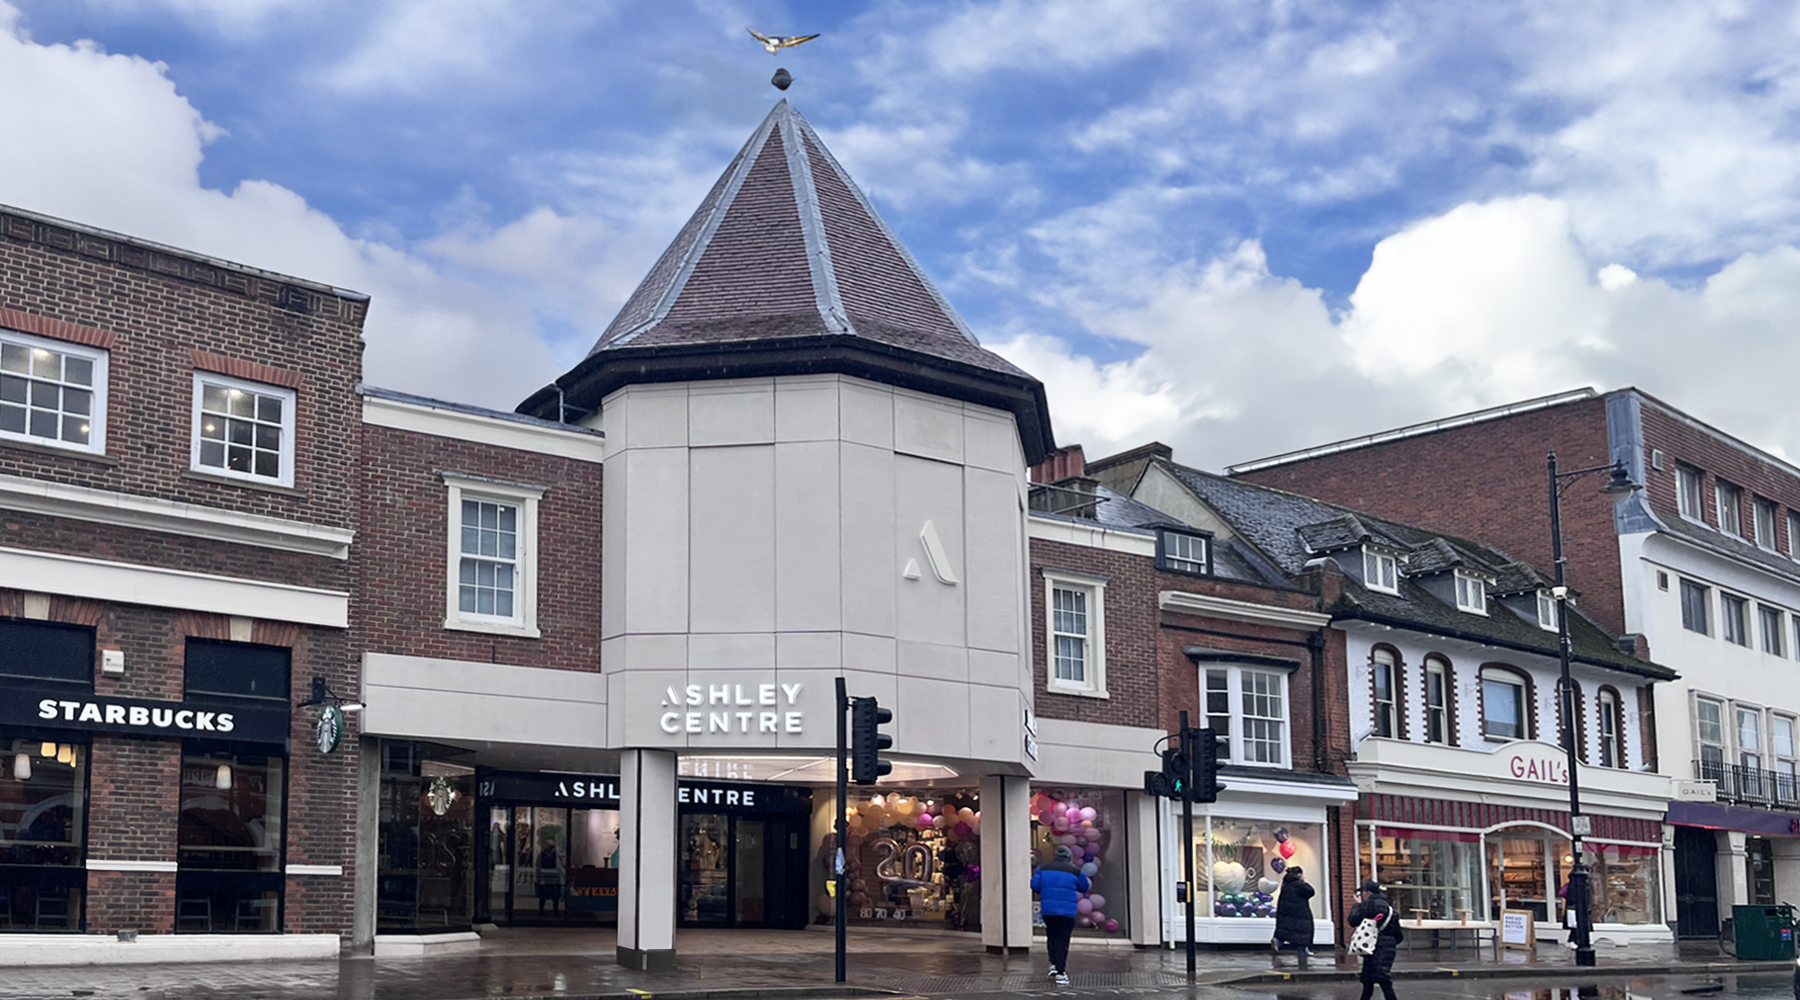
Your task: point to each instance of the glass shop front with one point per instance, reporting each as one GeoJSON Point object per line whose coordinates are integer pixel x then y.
{"type": "Point", "coordinates": [542, 849]}
{"type": "Point", "coordinates": [1437, 870]}
{"type": "Point", "coordinates": [1091, 824]}
{"type": "Point", "coordinates": [914, 858]}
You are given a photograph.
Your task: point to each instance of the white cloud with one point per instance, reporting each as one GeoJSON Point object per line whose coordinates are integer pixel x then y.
{"type": "Point", "coordinates": [108, 142]}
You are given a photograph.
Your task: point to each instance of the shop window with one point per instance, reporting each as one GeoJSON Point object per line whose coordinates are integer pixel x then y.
{"type": "Point", "coordinates": [1440, 696]}
{"type": "Point", "coordinates": [919, 859]}
{"type": "Point", "coordinates": [1239, 865]}
{"type": "Point", "coordinates": [1505, 709]}
{"type": "Point", "coordinates": [1612, 729]}
{"type": "Point", "coordinates": [1384, 685]}
{"type": "Point", "coordinates": [43, 797]}
{"type": "Point", "coordinates": [492, 556]}
{"type": "Point", "coordinates": [229, 841]}
{"type": "Point", "coordinates": [425, 864]}
{"type": "Point", "coordinates": [1438, 871]}
{"type": "Point", "coordinates": [1091, 823]}
{"type": "Point", "coordinates": [243, 430]}
{"type": "Point", "coordinates": [1625, 882]}
{"type": "Point", "coordinates": [1257, 723]}
{"type": "Point", "coordinates": [1076, 612]}
{"type": "Point", "coordinates": [52, 393]}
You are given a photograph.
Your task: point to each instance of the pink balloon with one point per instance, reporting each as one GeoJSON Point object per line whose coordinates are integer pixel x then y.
{"type": "Point", "coordinates": [1097, 917]}
{"type": "Point", "coordinates": [924, 821]}
{"type": "Point", "coordinates": [1073, 815]}
{"type": "Point", "coordinates": [1083, 922]}
{"type": "Point", "coordinates": [1060, 826]}
{"type": "Point", "coordinates": [964, 829]}
{"type": "Point", "coordinates": [1098, 899]}
{"type": "Point", "coordinates": [1112, 926]}
{"type": "Point", "coordinates": [1088, 813]}
{"type": "Point", "coordinates": [1091, 835]}
{"type": "Point", "coordinates": [1084, 905]}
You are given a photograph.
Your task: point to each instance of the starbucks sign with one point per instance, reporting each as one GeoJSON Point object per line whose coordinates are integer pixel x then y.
{"type": "Point", "coordinates": [329, 729]}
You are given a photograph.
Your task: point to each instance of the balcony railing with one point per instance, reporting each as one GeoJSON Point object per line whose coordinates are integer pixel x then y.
{"type": "Point", "coordinates": [1751, 785]}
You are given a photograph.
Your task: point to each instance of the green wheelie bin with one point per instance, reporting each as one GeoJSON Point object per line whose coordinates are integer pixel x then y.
{"type": "Point", "coordinates": [1764, 933]}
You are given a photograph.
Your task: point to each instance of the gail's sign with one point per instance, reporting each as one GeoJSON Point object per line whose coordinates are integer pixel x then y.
{"type": "Point", "coordinates": [737, 709]}
{"type": "Point", "coordinates": [1696, 791]}
{"type": "Point", "coordinates": [1547, 765]}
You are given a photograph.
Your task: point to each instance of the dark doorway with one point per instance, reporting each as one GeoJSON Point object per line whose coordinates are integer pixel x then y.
{"type": "Point", "coordinates": [1696, 883]}
{"type": "Point", "coordinates": [739, 871]}
{"type": "Point", "coordinates": [1759, 862]}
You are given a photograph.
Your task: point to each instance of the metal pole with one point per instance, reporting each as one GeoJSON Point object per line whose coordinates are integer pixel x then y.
{"type": "Point", "coordinates": [1578, 869]}
{"type": "Point", "coordinates": [841, 911]}
{"type": "Point", "coordinates": [1187, 838]}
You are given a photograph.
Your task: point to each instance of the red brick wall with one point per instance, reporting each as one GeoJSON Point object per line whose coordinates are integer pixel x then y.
{"type": "Point", "coordinates": [1486, 482]}
{"type": "Point", "coordinates": [1131, 636]}
{"type": "Point", "coordinates": [134, 799]}
{"type": "Point", "coordinates": [160, 309]}
{"type": "Point", "coordinates": [1681, 441]}
{"type": "Point", "coordinates": [401, 551]}
{"type": "Point", "coordinates": [115, 543]}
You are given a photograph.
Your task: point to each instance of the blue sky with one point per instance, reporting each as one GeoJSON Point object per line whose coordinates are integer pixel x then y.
{"type": "Point", "coordinates": [1237, 227]}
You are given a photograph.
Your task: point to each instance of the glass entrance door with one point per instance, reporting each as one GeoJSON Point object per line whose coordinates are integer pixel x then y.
{"type": "Point", "coordinates": [549, 864]}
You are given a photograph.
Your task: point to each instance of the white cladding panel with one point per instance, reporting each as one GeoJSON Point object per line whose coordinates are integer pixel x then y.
{"type": "Point", "coordinates": [787, 532]}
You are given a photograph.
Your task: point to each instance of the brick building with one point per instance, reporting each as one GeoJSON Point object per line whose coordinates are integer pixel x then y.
{"type": "Point", "coordinates": [1445, 665]}
{"type": "Point", "coordinates": [176, 434]}
{"type": "Point", "coordinates": [1187, 624]}
{"type": "Point", "coordinates": [1698, 567]}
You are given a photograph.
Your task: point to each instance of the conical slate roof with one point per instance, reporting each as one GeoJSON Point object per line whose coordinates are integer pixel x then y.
{"type": "Point", "coordinates": [786, 268]}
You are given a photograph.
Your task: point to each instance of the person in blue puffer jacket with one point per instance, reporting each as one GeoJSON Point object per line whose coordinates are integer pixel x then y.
{"type": "Point", "coordinates": [1059, 886]}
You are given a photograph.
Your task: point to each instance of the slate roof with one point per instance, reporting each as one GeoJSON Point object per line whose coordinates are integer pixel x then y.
{"type": "Point", "coordinates": [1274, 523]}
{"type": "Point", "coordinates": [785, 252]}
{"type": "Point", "coordinates": [1231, 560]}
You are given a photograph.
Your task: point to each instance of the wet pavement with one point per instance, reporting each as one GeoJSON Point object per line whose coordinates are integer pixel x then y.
{"type": "Point", "coordinates": [568, 963]}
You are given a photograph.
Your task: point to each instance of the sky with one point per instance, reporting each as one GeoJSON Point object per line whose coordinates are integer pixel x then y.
{"type": "Point", "coordinates": [1235, 227]}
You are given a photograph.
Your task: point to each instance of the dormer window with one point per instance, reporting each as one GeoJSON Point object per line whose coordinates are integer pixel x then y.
{"type": "Point", "coordinates": [1546, 607]}
{"type": "Point", "coordinates": [1471, 593]}
{"type": "Point", "coordinates": [1181, 552]}
{"type": "Point", "coordinates": [1379, 571]}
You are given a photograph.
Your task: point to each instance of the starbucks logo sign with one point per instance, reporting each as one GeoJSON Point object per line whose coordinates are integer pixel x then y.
{"type": "Point", "coordinates": [329, 729]}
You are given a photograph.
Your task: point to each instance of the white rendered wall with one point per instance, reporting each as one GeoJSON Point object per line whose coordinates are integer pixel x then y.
{"type": "Point", "coordinates": [1707, 663]}
{"type": "Point", "coordinates": [758, 536]}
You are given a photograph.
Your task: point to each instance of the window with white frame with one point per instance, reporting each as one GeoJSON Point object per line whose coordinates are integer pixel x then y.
{"type": "Point", "coordinates": [1379, 569]}
{"type": "Point", "coordinates": [1437, 700]}
{"type": "Point", "coordinates": [1764, 522]}
{"type": "Point", "coordinates": [1730, 501]}
{"type": "Point", "coordinates": [52, 393]}
{"type": "Point", "coordinates": [1688, 492]}
{"type": "Point", "coordinates": [1384, 683]}
{"type": "Point", "coordinates": [1734, 619]}
{"type": "Point", "coordinates": [1696, 607]}
{"type": "Point", "coordinates": [1546, 611]}
{"type": "Point", "coordinates": [1612, 729]}
{"type": "Point", "coordinates": [1774, 630]}
{"type": "Point", "coordinates": [243, 430]}
{"type": "Point", "coordinates": [492, 585]}
{"type": "Point", "coordinates": [1255, 712]}
{"type": "Point", "coordinates": [1075, 613]}
{"type": "Point", "coordinates": [1471, 593]}
{"type": "Point", "coordinates": [1709, 736]}
{"type": "Point", "coordinates": [1183, 552]}
{"type": "Point", "coordinates": [1504, 712]}
{"type": "Point", "coordinates": [1787, 769]}
{"type": "Point", "coordinates": [1749, 737]}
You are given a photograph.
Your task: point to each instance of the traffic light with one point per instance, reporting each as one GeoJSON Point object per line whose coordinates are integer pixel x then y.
{"type": "Point", "coordinates": [1175, 772]}
{"type": "Point", "coordinates": [1206, 744]}
{"type": "Point", "coordinates": [867, 740]}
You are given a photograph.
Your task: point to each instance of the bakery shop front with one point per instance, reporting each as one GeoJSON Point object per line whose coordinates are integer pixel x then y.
{"type": "Point", "coordinates": [548, 851]}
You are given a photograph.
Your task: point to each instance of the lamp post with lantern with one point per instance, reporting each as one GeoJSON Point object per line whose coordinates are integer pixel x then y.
{"type": "Point", "coordinates": [1580, 826]}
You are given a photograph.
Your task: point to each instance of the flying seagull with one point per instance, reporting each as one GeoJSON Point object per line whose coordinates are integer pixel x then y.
{"type": "Point", "coordinates": [775, 43]}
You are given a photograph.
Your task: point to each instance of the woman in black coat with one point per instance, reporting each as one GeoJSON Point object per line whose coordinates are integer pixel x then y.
{"type": "Point", "coordinates": [1293, 915]}
{"type": "Point", "coordinates": [1377, 968]}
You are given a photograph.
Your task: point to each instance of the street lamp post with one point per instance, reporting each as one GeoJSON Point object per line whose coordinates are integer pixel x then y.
{"type": "Point", "coordinates": [1619, 481]}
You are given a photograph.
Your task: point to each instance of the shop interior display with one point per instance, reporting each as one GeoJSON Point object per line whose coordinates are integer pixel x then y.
{"type": "Point", "coordinates": [911, 857]}
{"type": "Point", "coordinates": [1069, 818]}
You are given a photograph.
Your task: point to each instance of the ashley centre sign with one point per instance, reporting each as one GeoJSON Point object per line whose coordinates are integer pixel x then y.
{"type": "Point", "coordinates": [738, 709]}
